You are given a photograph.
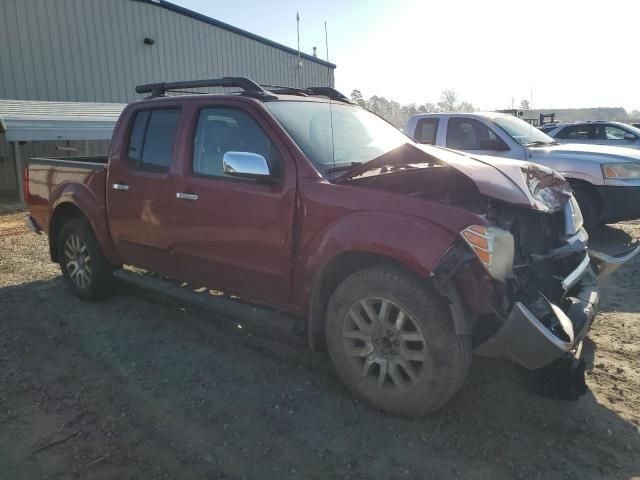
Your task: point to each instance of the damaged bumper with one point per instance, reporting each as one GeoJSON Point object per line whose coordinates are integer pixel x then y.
{"type": "Point", "coordinates": [534, 341]}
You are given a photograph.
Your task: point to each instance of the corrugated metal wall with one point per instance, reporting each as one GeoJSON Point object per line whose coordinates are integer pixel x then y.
{"type": "Point", "coordinates": [93, 51]}
{"type": "Point", "coordinates": [41, 149]}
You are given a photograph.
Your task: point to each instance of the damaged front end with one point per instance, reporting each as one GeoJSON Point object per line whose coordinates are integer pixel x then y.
{"type": "Point", "coordinates": [526, 285]}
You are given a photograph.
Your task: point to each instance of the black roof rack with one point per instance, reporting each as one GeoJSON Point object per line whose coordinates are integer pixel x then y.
{"type": "Point", "coordinates": [251, 88]}
{"type": "Point", "coordinates": [330, 92]}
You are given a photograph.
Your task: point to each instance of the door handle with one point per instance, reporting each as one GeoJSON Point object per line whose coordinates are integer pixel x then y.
{"type": "Point", "coordinates": [186, 196]}
{"type": "Point", "coordinates": [120, 186]}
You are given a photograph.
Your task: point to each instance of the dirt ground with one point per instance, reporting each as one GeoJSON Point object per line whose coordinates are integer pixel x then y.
{"type": "Point", "coordinates": [138, 387]}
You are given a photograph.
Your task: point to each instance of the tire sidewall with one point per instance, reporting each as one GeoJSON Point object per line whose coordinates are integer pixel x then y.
{"type": "Point", "coordinates": [432, 317]}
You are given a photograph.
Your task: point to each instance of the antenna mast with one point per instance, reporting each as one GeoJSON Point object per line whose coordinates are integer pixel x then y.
{"type": "Point", "coordinates": [326, 43]}
{"type": "Point", "coordinates": [299, 66]}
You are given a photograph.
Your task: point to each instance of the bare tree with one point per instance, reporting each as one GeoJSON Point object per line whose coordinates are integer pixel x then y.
{"type": "Point", "coordinates": [465, 107]}
{"type": "Point", "coordinates": [524, 104]}
{"type": "Point", "coordinates": [356, 97]}
{"type": "Point", "coordinates": [448, 101]}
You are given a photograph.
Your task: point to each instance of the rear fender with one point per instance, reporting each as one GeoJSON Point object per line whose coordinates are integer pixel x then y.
{"type": "Point", "coordinates": [95, 213]}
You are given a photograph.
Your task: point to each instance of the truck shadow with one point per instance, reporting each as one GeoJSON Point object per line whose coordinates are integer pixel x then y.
{"type": "Point", "coordinates": [263, 406]}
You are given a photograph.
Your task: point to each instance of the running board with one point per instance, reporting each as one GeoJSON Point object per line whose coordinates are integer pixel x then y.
{"type": "Point", "coordinates": [203, 297]}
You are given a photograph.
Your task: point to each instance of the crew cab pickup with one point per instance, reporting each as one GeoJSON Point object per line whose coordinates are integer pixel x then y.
{"type": "Point", "coordinates": [400, 258]}
{"type": "Point", "coordinates": [605, 179]}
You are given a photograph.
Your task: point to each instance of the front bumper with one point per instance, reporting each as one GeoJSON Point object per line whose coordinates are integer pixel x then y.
{"type": "Point", "coordinates": [526, 340]}
{"type": "Point", "coordinates": [534, 343]}
{"type": "Point", "coordinates": [619, 203]}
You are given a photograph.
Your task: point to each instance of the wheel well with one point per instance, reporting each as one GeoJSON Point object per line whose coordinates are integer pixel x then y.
{"type": "Point", "coordinates": [62, 214]}
{"type": "Point", "coordinates": [589, 189]}
{"type": "Point", "coordinates": [330, 277]}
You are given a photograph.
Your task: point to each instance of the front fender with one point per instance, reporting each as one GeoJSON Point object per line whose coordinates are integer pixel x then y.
{"type": "Point", "coordinates": [411, 241]}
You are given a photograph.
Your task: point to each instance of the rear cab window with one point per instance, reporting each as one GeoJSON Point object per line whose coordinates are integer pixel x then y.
{"type": "Point", "coordinates": [151, 140]}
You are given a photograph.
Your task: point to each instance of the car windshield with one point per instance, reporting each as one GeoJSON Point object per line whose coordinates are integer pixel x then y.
{"type": "Point", "coordinates": [522, 132]}
{"type": "Point", "coordinates": [336, 135]}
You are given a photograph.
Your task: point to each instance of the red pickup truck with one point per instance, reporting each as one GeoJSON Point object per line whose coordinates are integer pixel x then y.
{"type": "Point", "coordinates": [402, 258]}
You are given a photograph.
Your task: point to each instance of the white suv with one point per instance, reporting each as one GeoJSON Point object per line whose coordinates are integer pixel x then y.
{"type": "Point", "coordinates": [615, 134]}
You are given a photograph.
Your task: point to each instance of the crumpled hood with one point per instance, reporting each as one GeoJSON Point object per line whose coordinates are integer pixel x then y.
{"type": "Point", "coordinates": [521, 183]}
{"type": "Point", "coordinates": [513, 181]}
{"type": "Point", "coordinates": [588, 152]}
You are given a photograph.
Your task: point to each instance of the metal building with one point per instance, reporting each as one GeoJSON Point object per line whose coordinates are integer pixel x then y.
{"type": "Point", "coordinates": [98, 50]}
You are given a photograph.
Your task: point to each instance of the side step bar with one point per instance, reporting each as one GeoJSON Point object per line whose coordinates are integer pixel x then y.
{"type": "Point", "coordinates": [202, 297]}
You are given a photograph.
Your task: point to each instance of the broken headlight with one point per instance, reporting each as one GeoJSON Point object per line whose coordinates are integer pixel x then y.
{"type": "Point", "coordinates": [621, 171]}
{"type": "Point", "coordinates": [572, 216]}
{"type": "Point", "coordinates": [494, 248]}
{"type": "Point", "coordinates": [548, 189]}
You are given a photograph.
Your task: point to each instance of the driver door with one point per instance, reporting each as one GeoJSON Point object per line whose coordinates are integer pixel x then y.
{"type": "Point", "coordinates": [235, 233]}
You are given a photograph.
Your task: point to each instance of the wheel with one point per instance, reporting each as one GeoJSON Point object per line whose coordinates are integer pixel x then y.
{"type": "Point", "coordinates": [391, 340]}
{"type": "Point", "coordinates": [589, 208]}
{"type": "Point", "coordinates": [84, 267]}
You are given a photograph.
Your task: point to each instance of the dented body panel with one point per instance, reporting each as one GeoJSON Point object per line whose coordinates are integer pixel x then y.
{"type": "Point", "coordinates": [279, 242]}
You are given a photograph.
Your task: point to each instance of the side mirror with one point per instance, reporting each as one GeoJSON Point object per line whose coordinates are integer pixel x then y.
{"type": "Point", "coordinates": [246, 165]}
{"type": "Point", "coordinates": [630, 136]}
{"type": "Point", "coordinates": [496, 145]}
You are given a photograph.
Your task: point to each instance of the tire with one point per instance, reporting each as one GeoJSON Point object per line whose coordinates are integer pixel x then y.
{"type": "Point", "coordinates": [419, 366]}
{"type": "Point", "coordinates": [589, 208]}
{"type": "Point", "coordinates": [84, 267]}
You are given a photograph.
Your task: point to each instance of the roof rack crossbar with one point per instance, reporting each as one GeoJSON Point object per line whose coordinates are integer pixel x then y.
{"type": "Point", "coordinates": [330, 92]}
{"type": "Point", "coordinates": [250, 87]}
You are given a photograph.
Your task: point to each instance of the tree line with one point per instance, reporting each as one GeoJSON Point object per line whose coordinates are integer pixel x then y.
{"type": "Point", "coordinates": [398, 114]}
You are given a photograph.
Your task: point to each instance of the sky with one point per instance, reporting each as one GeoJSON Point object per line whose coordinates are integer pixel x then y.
{"type": "Point", "coordinates": [560, 54]}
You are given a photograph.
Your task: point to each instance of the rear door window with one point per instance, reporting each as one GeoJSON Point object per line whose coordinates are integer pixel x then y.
{"type": "Point", "coordinates": [577, 132]}
{"type": "Point", "coordinates": [426, 130]}
{"type": "Point", "coordinates": [152, 138]}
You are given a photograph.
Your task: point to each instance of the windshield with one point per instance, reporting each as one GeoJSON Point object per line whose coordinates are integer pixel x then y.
{"type": "Point", "coordinates": [358, 135]}
{"type": "Point", "coordinates": [522, 132]}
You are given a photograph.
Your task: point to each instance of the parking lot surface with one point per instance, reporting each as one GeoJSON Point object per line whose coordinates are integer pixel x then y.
{"type": "Point", "coordinates": [138, 386]}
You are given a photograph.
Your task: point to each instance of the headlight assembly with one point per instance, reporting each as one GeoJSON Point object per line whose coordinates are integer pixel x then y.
{"type": "Point", "coordinates": [621, 171]}
{"type": "Point", "coordinates": [573, 216]}
{"type": "Point", "coordinates": [493, 247]}
{"type": "Point", "coordinates": [548, 189]}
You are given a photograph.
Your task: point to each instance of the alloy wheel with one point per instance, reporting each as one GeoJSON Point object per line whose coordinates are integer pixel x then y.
{"type": "Point", "coordinates": [385, 344]}
{"type": "Point", "coordinates": [78, 261]}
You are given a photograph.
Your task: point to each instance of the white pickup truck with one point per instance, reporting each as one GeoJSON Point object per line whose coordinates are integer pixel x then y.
{"type": "Point", "coordinates": [606, 180]}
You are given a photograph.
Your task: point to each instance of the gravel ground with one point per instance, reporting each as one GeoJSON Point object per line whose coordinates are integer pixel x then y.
{"type": "Point", "coordinates": [141, 387]}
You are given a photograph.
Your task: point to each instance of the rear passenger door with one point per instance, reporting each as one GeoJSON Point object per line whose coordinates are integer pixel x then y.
{"type": "Point", "coordinates": [140, 190]}
{"type": "Point", "coordinates": [233, 233]}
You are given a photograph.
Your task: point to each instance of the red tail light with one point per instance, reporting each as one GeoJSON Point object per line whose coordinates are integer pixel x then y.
{"type": "Point", "coordinates": [25, 183]}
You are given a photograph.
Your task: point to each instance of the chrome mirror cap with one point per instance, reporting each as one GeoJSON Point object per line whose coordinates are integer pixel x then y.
{"type": "Point", "coordinates": [246, 165]}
